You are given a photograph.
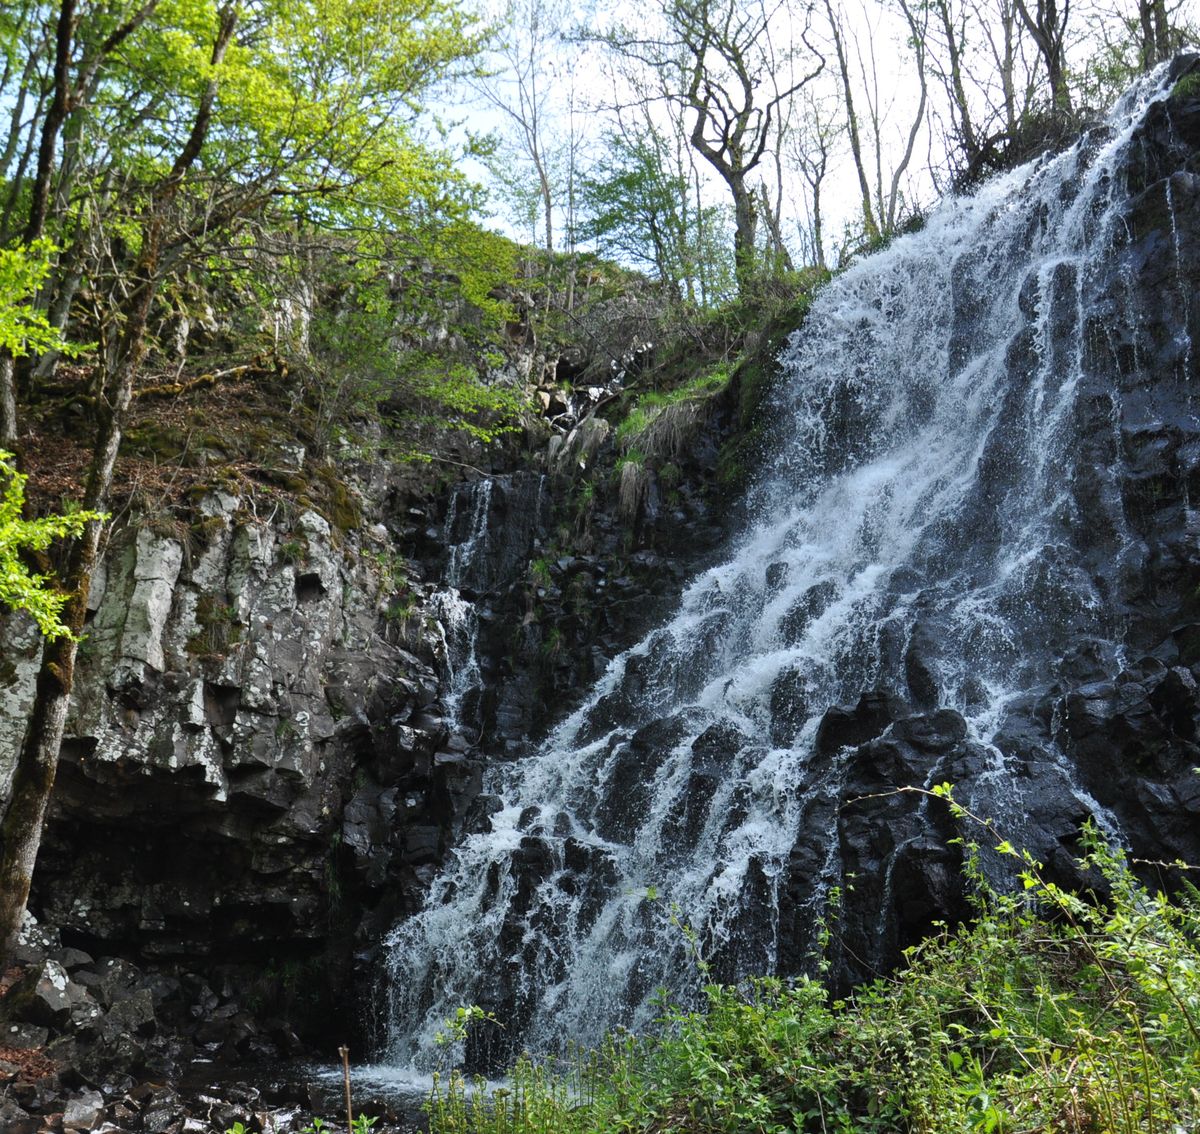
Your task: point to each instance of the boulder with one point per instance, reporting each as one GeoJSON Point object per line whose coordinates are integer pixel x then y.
{"type": "Point", "coordinates": [83, 1111]}
{"type": "Point", "coordinates": [42, 997]}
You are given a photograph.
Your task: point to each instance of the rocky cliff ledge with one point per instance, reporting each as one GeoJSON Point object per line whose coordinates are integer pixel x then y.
{"type": "Point", "coordinates": [236, 678]}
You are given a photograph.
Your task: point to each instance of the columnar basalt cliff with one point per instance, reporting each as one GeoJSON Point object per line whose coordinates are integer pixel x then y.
{"type": "Point", "coordinates": [237, 678]}
{"type": "Point", "coordinates": [273, 744]}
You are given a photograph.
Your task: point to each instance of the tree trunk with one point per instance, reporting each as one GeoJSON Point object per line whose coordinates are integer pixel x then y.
{"type": "Point", "coordinates": [1156, 33]}
{"type": "Point", "coordinates": [38, 761]}
{"type": "Point", "coordinates": [547, 207]}
{"type": "Point", "coordinates": [8, 402]}
{"type": "Point", "coordinates": [1149, 50]}
{"type": "Point", "coordinates": [864, 184]}
{"type": "Point", "coordinates": [1162, 30]}
{"type": "Point", "coordinates": [1007, 79]}
{"type": "Point", "coordinates": [958, 91]}
{"type": "Point", "coordinates": [780, 258]}
{"type": "Point", "coordinates": [745, 218]}
{"type": "Point", "coordinates": [56, 115]}
{"type": "Point", "coordinates": [39, 199]}
{"type": "Point", "coordinates": [37, 764]}
{"type": "Point", "coordinates": [1047, 29]}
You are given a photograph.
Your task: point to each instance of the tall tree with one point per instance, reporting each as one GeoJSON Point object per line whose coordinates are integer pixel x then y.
{"type": "Point", "coordinates": [853, 130]}
{"type": "Point", "coordinates": [812, 143]}
{"type": "Point", "coordinates": [869, 103]}
{"type": "Point", "coordinates": [296, 110]}
{"type": "Point", "coordinates": [1155, 28]}
{"type": "Point", "coordinates": [525, 86]}
{"type": "Point", "coordinates": [37, 765]}
{"type": "Point", "coordinates": [638, 205]}
{"type": "Point", "coordinates": [72, 84]}
{"type": "Point", "coordinates": [732, 82]}
{"type": "Point", "coordinates": [1047, 21]}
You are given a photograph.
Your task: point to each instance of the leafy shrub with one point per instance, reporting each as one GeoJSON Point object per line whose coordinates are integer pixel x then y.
{"type": "Point", "coordinates": [21, 589]}
{"type": "Point", "coordinates": [1046, 1013]}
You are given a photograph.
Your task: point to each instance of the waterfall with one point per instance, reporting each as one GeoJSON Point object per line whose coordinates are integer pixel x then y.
{"type": "Point", "coordinates": [489, 530]}
{"type": "Point", "coordinates": [472, 518]}
{"type": "Point", "coordinates": [465, 535]}
{"type": "Point", "coordinates": [927, 533]}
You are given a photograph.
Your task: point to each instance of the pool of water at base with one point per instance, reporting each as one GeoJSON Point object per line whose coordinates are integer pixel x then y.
{"type": "Point", "coordinates": [317, 1090]}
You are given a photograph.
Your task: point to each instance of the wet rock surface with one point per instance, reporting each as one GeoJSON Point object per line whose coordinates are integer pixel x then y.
{"type": "Point", "coordinates": [1116, 715]}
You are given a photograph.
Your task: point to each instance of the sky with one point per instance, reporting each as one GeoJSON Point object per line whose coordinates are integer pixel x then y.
{"type": "Point", "coordinates": [575, 91]}
{"type": "Point", "coordinates": [579, 89]}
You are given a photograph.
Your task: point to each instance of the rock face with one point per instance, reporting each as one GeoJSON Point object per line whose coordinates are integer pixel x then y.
{"type": "Point", "coordinates": [562, 577]}
{"type": "Point", "coordinates": [269, 753]}
{"type": "Point", "coordinates": [1106, 726]}
{"type": "Point", "coordinates": [253, 743]}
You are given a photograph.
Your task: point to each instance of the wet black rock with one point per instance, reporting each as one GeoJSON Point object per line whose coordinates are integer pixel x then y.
{"type": "Point", "coordinates": [843, 727]}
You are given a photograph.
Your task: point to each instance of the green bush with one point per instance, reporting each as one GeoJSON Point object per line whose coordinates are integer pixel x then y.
{"type": "Point", "coordinates": [650, 406]}
{"type": "Point", "coordinates": [1047, 1013]}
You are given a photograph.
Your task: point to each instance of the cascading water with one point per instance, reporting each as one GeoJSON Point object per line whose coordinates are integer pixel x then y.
{"type": "Point", "coordinates": [469, 508]}
{"type": "Point", "coordinates": [927, 530]}
{"type": "Point", "coordinates": [488, 532]}
{"type": "Point", "coordinates": [456, 615]}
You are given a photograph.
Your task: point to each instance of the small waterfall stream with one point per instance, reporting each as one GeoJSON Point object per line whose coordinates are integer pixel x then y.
{"type": "Point", "coordinates": [456, 615]}
{"type": "Point", "coordinates": [927, 529]}
{"type": "Point", "coordinates": [488, 532]}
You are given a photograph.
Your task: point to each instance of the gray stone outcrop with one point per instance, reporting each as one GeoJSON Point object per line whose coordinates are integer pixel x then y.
{"type": "Point", "coordinates": [236, 685]}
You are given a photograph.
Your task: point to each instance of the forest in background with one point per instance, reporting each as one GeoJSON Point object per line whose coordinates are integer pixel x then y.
{"type": "Point", "coordinates": [713, 143]}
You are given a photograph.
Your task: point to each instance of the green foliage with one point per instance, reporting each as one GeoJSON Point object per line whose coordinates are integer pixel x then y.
{"type": "Point", "coordinates": [1188, 86]}
{"type": "Point", "coordinates": [386, 352]}
{"type": "Point", "coordinates": [1048, 1013]}
{"type": "Point", "coordinates": [23, 328]}
{"type": "Point", "coordinates": [20, 588]}
{"type": "Point", "coordinates": [539, 572]}
{"type": "Point", "coordinates": [459, 400]}
{"type": "Point", "coordinates": [316, 99]}
{"type": "Point", "coordinates": [217, 629]}
{"type": "Point", "coordinates": [454, 1029]}
{"type": "Point", "coordinates": [552, 646]}
{"type": "Point", "coordinates": [638, 202]}
{"type": "Point", "coordinates": [293, 551]}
